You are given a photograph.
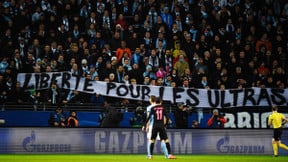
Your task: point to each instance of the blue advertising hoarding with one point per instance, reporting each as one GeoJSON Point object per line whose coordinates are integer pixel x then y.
{"type": "Point", "coordinates": [239, 119]}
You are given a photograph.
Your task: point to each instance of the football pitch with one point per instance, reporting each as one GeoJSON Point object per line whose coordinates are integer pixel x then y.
{"type": "Point", "coordinates": [137, 158]}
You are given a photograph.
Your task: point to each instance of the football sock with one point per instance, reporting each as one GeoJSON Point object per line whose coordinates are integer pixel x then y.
{"type": "Point", "coordinates": [275, 148]}
{"type": "Point", "coordinates": [168, 147]}
{"type": "Point", "coordinates": [283, 146]}
{"type": "Point", "coordinates": [148, 148]}
{"type": "Point", "coordinates": [164, 149]}
{"type": "Point", "coordinates": [151, 148]}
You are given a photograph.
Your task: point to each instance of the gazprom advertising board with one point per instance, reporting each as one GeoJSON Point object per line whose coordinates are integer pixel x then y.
{"type": "Point", "coordinates": [133, 141]}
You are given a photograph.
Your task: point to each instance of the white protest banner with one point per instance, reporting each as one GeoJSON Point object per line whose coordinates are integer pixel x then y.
{"type": "Point", "coordinates": [195, 97]}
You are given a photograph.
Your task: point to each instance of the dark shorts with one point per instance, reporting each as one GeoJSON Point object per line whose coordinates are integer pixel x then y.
{"type": "Point", "coordinates": [277, 134]}
{"type": "Point", "coordinates": [162, 132]}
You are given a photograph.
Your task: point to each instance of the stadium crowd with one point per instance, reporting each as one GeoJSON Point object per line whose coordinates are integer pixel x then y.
{"type": "Point", "coordinates": [217, 44]}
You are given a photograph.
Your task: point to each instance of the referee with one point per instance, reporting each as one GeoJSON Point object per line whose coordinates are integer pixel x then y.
{"type": "Point", "coordinates": [277, 120]}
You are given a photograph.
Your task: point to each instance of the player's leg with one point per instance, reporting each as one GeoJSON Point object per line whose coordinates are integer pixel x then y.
{"type": "Point", "coordinates": [275, 147]}
{"type": "Point", "coordinates": [281, 145]}
{"type": "Point", "coordinates": [275, 141]}
{"type": "Point", "coordinates": [163, 146]}
{"type": "Point", "coordinates": [149, 134]}
{"type": "Point", "coordinates": [170, 156]}
{"type": "Point", "coordinates": [152, 142]}
{"type": "Point", "coordinates": [150, 148]}
{"type": "Point", "coordinates": [164, 139]}
{"type": "Point", "coordinates": [164, 149]}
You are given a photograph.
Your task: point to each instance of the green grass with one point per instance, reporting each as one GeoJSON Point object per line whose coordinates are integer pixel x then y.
{"type": "Point", "coordinates": [138, 158]}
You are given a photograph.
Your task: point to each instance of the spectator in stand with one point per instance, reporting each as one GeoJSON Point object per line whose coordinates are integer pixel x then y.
{"type": "Point", "coordinates": [154, 60]}
{"type": "Point", "coordinates": [29, 63]}
{"type": "Point", "coordinates": [120, 73]}
{"type": "Point", "coordinates": [166, 62]}
{"type": "Point", "coordinates": [84, 66]}
{"type": "Point", "coordinates": [75, 71]}
{"type": "Point", "coordinates": [93, 72]}
{"type": "Point", "coordinates": [115, 41]}
{"type": "Point", "coordinates": [34, 98]}
{"type": "Point", "coordinates": [121, 21]}
{"type": "Point", "coordinates": [112, 118]}
{"type": "Point", "coordinates": [229, 26]}
{"type": "Point", "coordinates": [73, 121]}
{"type": "Point", "coordinates": [263, 41]}
{"type": "Point", "coordinates": [57, 118]}
{"type": "Point", "coordinates": [17, 94]}
{"type": "Point", "coordinates": [121, 50]}
{"type": "Point", "coordinates": [279, 75]}
{"type": "Point", "coordinates": [203, 83]}
{"type": "Point", "coordinates": [126, 79]}
{"type": "Point", "coordinates": [54, 94]}
{"type": "Point", "coordinates": [181, 116]}
{"type": "Point", "coordinates": [159, 82]}
{"type": "Point", "coordinates": [186, 83]}
{"type": "Point", "coordinates": [138, 119]}
{"type": "Point", "coordinates": [3, 65]}
{"type": "Point", "coordinates": [181, 65]}
{"type": "Point", "coordinates": [107, 70]}
{"type": "Point", "coordinates": [160, 73]}
{"type": "Point", "coordinates": [73, 97]}
{"type": "Point", "coordinates": [188, 75]}
{"type": "Point", "coordinates": [134, 41]}
{"type": "Point", "coordinates": [149, 72]}
{"type": "Point", "coordinates": [111, 77]}
{"type": "Point", "coordinates": [61, 64]}
{"type": "Point", "coordinates": [195, 124]}
{"type": "Point", "coordinates": [147, 40]}
{"type": "Point", "coordinates": [167, 18]}
{"type": "Point", "coordinates": [217, 120]}
{"type": "Point", "coordinates": [18, 60]}
{"type": "Point", "coordinates": [146, 80]}
{"type": "Point", "coordinates": [126, 65]}
{"type": "Point", "coordinates": [168, 81]}
{"type": "Point", "coordinates": [239, 79]}
{"type": "Point", "coordinates": [137, 57]}
{"type": "Point", "coordinates": [97, 99]}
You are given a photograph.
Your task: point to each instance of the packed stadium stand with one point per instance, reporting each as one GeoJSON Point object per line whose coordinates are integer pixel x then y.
{"type": "Point", "coordinates": [197, 44]}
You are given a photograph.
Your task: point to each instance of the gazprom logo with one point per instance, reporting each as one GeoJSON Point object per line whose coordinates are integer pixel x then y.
{"type": "Point", "coordinates": [224, 146]}
{"type": "Point", "coordinates": [30, 144]}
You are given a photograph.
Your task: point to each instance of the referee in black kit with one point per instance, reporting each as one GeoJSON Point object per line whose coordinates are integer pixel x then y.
{"type": "Point", "coordinates": [160, 118]}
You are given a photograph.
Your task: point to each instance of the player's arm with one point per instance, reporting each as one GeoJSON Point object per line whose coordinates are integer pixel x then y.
{"type": "Point", "coordinates": [166, 120]}
{"type": "Point", "coordinates": [165, 117]}
{"type": "Point", "coordinates": [269, 121]}
{"type": "Point", "coordinates": [147, 121]}
{"type": "Point", "coordinates": [145, 127]}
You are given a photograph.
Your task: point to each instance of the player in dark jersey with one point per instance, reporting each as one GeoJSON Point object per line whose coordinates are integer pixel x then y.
{"type": "Point", "coordinates": [159, 116]}
{"type": "Point", "coordinates": [148, 129]}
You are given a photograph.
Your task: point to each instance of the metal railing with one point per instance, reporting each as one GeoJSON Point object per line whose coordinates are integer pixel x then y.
{"type": "Point", "coordinates": [123, 108]}
{"type": "Point", "coordinates": [75, 107]}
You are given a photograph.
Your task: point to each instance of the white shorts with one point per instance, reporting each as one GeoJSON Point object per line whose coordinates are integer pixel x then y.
{"type": "Point", "coordinates": [149, 133]}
